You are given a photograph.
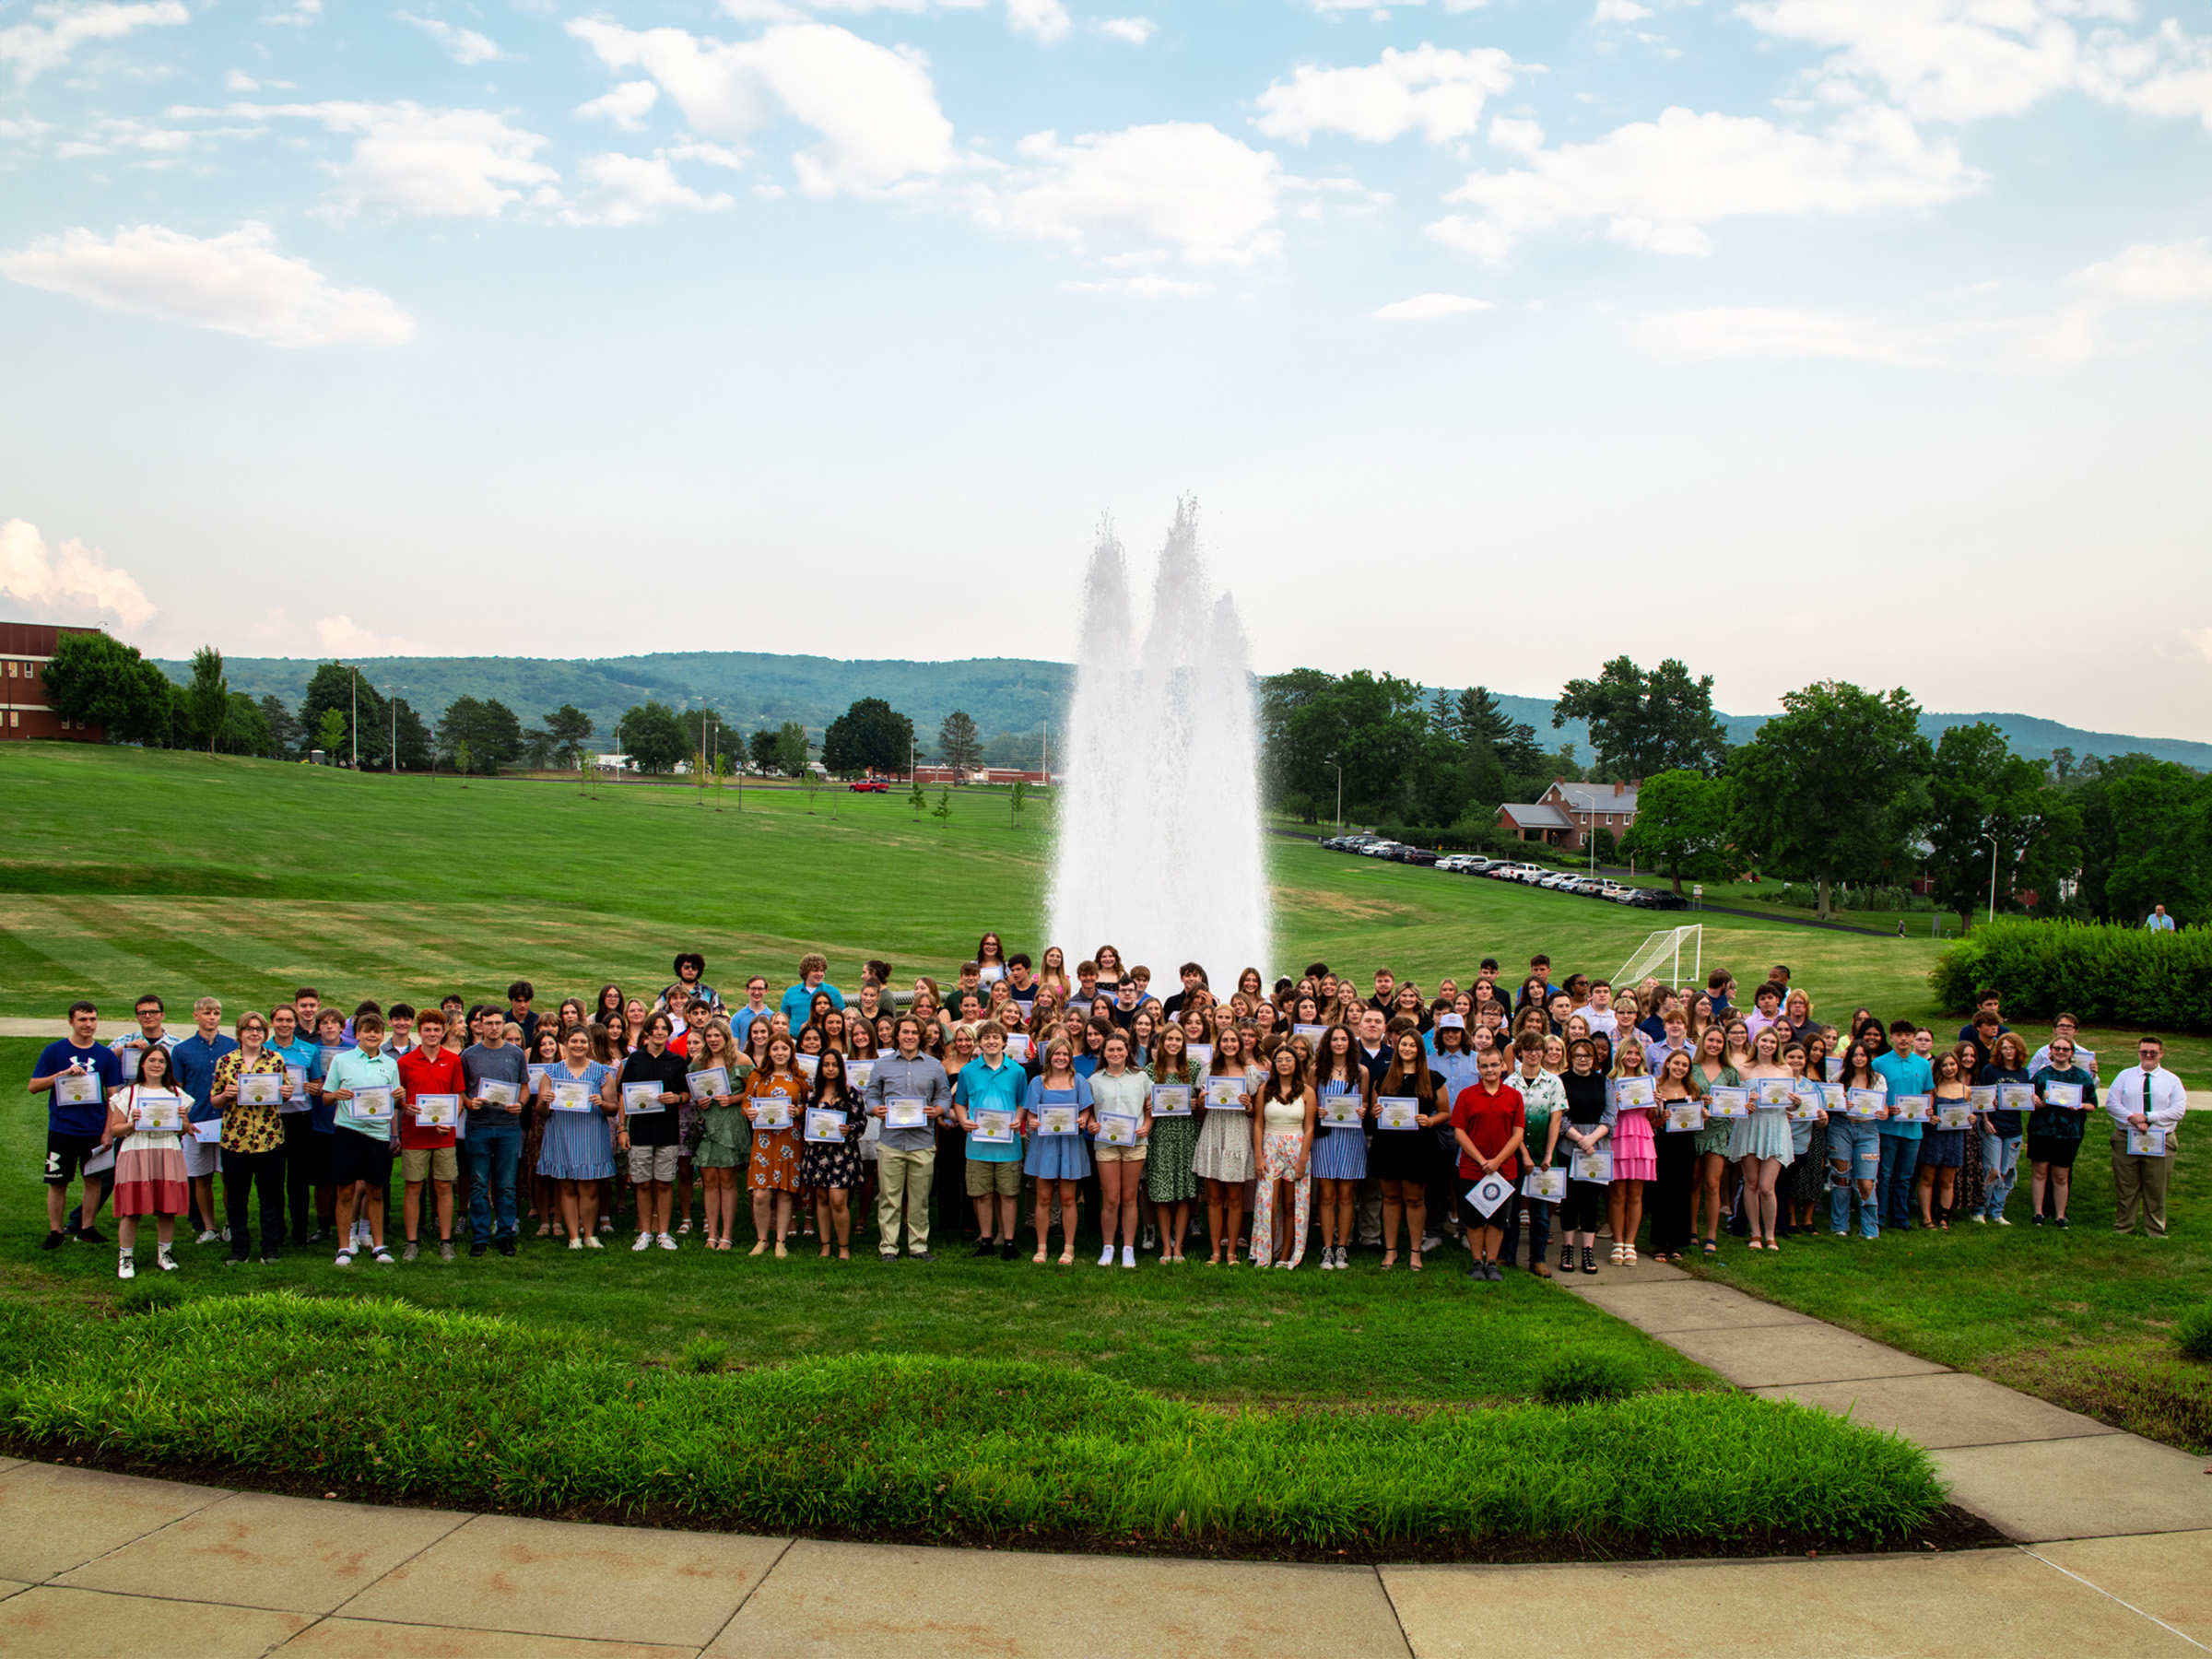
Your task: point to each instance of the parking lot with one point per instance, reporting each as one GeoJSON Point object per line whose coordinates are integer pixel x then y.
{"type": "Point", "coordinates": [1578, 883]}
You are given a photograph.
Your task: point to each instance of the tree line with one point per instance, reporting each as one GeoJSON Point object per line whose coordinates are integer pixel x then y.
{"type": "Point", "coordinates": [1841, 786]}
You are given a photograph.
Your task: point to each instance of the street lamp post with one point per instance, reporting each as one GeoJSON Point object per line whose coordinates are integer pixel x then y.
{"type": "Point", "coordinates": [1340, 771]}
{"type": "Point", "coordinates": [1992, 876]}
{"type": "Point", "coordinates": [395, 766]}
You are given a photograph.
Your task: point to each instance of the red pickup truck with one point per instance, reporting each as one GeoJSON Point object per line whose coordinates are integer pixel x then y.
{"type": "Point", "coordinates": [870, 786]}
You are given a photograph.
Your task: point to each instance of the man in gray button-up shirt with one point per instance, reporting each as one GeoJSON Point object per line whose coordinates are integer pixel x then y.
{"type": "Point", "coordinates": [905, 1159]}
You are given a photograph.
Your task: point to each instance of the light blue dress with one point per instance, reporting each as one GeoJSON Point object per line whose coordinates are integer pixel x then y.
{"type": "Point", "coordinates": [578, 1146]}
{"type": "Point", "coordinates": [1342, 1154]}
{"type": "Point", "coordinates": [1058, 1157]}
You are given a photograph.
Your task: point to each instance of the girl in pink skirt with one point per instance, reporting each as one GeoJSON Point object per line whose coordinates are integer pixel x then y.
{"type": "Point", "coordinates": [1635, 1150]}
{"type": "Point", "coordinates": [149, 1166]}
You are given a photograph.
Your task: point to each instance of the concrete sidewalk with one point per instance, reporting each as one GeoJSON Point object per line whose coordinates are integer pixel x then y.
{"type": "Point", "coordinates": [95, 1565]}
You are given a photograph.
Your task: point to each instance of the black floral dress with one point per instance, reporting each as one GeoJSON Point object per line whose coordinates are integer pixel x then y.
{"type": "Point", "coordinates": [835, 1163]}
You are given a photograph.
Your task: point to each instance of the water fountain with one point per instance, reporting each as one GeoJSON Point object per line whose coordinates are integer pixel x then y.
{"type": "Point", "coordinates": [1158, 852]}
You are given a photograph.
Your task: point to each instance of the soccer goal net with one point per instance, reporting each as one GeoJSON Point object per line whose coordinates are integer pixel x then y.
{"type": "Point", "coordinates": [1661, 958]}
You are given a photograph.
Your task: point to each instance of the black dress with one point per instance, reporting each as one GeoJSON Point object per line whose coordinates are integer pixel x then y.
{"type": "Point", "coordinates": [834, 1163]}
{"type": "Point", "coordinates": [1405, 1154]}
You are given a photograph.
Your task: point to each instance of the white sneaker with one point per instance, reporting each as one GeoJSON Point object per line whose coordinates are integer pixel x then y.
{"type": "Point", "coordinates": [124, 1266]}
{"type": "Point", "coordinates": [210, 1237]}
{"type": "Point", "coordinates": [163, 1260]}
{"type": "Point", "coordinates": [345, 1259]}
{"type": "Point", "coordinates": [225, 1235]}
{"type": "Point", "coordinates": [667, 1242]}
{"type": "Point", "coordinates": [1128, 1255]}
{"type": "Point", "coordinates": [1106, 1256]}
{"type": "Point", "coordinates": [1980, 1220]}
{"type": "Point", "coordinates": [2003, 1222]}
{"type": "Point", "coordinates": [593, 1244]}
{"type": "Point", "coordinates": [644, 1241]}
{"type": "Point", "coordinates": [575, 1243]}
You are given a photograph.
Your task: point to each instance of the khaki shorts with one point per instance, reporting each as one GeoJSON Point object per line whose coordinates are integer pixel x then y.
{"type": "Point", "coordinates": [1119, 1153]}
{"type": "Point", "coordinates": [418, 1164]}
{"type": "Point", "coordinates": [986, 1179]}
{"type": "Point", "coordinates": [652, 1163]}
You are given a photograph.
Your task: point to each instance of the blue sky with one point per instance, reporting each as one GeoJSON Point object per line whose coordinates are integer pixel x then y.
{"type": "Point", "coordinates": [1796, 337]}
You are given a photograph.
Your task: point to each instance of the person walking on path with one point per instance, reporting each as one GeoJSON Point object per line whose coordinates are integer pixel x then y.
{"type": "Point", "coordinates": [2146, 1103]}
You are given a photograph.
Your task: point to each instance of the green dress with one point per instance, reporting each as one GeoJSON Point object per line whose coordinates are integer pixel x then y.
{"type": "Point", "coordinates": [1168, 1155]}
{"type": "Point", "coordinates": [726, 1138]}
{"type": "Point", "coordinates": [1715, 1135]}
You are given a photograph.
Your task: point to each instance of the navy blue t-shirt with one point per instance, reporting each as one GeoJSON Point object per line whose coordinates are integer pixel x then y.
{"type": "Point", "coordinates": [79, 1120]}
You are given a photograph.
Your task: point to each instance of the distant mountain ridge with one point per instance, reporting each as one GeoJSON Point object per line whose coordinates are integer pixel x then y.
{"type": "Point", "coordinates": [753, 688]}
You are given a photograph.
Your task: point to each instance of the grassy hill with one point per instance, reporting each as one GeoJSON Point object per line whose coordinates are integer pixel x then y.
{"type": "Point", "coordinates": [752, 688]}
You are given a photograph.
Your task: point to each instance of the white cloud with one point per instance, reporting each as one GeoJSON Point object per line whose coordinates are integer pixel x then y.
{"type": "Point", "coordinates": [33, 48]}
{"type": "Point", "coordinates": [625, 104]}
{"type": "Point", "coordinates": [438, 163]}
{"type": "Point", "coordinates": [342, 637]}
{"type": "Point", "coordinates": [630, 188]}
{"type": "Point", "coordinates": [1659, 184]}
{"type": "Point", "coordinates": [238, 80]}
{"type": "Point", "coordinates": [1522, 136]}
{"type": "Point", "coordinates": [23, 126]}
{"type": "Point", "coordinates": [69, 583]}
{"type": "Point", "coordinates": [1426, 308]}
{"type": "Point", "coordinates": [236, 283]}
{"type": "Point", "coordinates": [1149, 285]}
{"type": "Point", "coordinates": [875, 108]}
{"type": "Point", "coordinates": [302, 14]}
{"type": "Point", "coordinates": [1182, 183]}
{"type": "Point", "coordinates": [1777, 331]}
{"type": "Point", "coordinates": [1047, 20]}
{"type": "Point", "coordinates": [2200, 637]}
{"type": "Point", "coordinates": [1619, 11]}
{"type": "Point", "coordinates": [465, 46]}
{"type": "Point", "coordinates": [2177, 274]}
{"type": "Point", "coordinates": [1377, 10]}
{"type": "Point", "coordinates": [1136, 30]}
{"type": "Point", "coordinates": [1434, 88]}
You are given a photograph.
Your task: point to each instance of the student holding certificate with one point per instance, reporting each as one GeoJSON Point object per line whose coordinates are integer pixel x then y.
{"type": "Point", "coordinates": [830, 1170]}
{"type": "Point", "coordinates": [1586, 1120]}
{"type": "Point", "coordinates": [149, 1163]}
{"type": "Point", "coordinates": [1488, 1128]}
{"type": "Point", "coordinates": [775, 1095]}
{"type": "Point", "coordinates": [2065, 1092]}
{"type": "Point", "coordinates": [1172, 1142]}
{"type": "Point", "coordinates": [1058, 1159]}
{"type": "Point", "coordinates": [908, 1095]}
{"type": "Point", "coordinates": [576, 1099]}
{"type": "Point", "coordinates": [994, 1084]}
{"type": "Point", "coordinates": [1634, 1141]}
{"type": "Point", "coordinates": [1340, 1156]}
{"type": "Point", "coordinates": [1406, 1159]}
{"type": "Point", "coordinates": [1760, 1143]}
{"type": "Point", "coordinates": [1283, 1138]}
{"type": "Point", "coordinates": [652, 1088]}
{"type": "Point", "coordinates": [1121, 1092]}
{"type": "Point", "coordinates": [428, 1151]}
{"type": "Point", "coordinates": [1709, 1070]}
{"type": "Point", "coordinates": [1223, 1160]}
{"type": "Point", "coordinates": [725, 1138]}
{"type": "Point", "coordinates": [2146, 1103]}
{"type": "Point", "coordinates": [363, 1084]}
{"type": "Point", "coordinates": [1942, 1152]}
{"type": "Point", "coordinates": [1673, 1088]}
{"type": "Point", "coordinates": [1855, 1150]}
{"type": "Point", "coordinates": [1807, 1181]}
{"type": "Point", "coordinates": [253, 1148]}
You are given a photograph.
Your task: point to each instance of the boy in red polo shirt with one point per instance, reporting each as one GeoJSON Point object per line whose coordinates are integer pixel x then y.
{"type": "Point", "coordinates": [430, 1068]}
{"type": "Point", "coordinates": [1487, 1121]}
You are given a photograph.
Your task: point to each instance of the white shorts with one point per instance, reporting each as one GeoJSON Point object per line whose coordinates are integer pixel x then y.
{"type": "Point", "coordinates": [201, 1158]}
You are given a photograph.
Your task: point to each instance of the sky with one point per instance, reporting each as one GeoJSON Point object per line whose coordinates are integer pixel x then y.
{"type": "Point", "coordinates": [1796, 338]}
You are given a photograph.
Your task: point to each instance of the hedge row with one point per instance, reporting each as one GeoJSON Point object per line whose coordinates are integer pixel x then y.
{"type": "Point", "coordinates": [2108, 973]}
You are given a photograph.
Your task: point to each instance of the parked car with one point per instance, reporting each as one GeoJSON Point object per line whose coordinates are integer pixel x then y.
{"type": "Point", "coordinates": [1416, 856]}
{"type": "Point", "coordinates": [870, 786]}
{"type": "Point", "coordinates": [1660, 899]}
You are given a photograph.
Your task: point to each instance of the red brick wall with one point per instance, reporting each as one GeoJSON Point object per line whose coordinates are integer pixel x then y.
{"type": "Point", "coordinates": [25, 648]}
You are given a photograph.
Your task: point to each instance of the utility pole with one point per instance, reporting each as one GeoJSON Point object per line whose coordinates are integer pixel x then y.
{"type": "Point", "coordinates": [353, 729]}
{"type": "Point", "coordinates": [1992, 876]}
{"type": "Point", "coordinates": [1339, 794]}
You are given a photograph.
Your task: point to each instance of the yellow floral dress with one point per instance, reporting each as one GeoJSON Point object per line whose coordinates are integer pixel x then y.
{"type": "Point", "coordinates": [249, 1128]}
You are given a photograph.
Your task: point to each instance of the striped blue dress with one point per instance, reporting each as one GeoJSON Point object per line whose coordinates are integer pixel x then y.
{"type": "Point", "coordinates": [1342, 1154]}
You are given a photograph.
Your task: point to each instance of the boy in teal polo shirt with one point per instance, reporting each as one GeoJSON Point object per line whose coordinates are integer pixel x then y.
{"type": "Point", "coordinates": [1907, 1073]}
{"type": "Point", "coordinates": [994, 1083]}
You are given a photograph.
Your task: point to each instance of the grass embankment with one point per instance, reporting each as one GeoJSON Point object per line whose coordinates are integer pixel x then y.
{"type": "Point", "coordinates": [378, 1399]}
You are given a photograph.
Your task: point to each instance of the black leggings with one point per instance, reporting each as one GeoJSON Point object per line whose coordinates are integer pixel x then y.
{"type": "Point", "coordinates": [241, 1172]}
{"type": "Point", "coordinates": [1584, 1207]}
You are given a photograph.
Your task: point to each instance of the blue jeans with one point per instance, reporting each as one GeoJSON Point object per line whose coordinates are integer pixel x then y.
{"type": "Point", "coordinates": [1893, 1185]}
{"type": "Point", "coordinates": [1539, 1230]}
{"type": "Point", "coordinates": [2000, 1169]}
{"type": "Point", "coordinates": [494, 1149]}
{"type": "Point", "coordinates": [1855, 1149]}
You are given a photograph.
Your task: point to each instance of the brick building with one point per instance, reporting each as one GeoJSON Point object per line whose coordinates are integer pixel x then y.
{"type": "Point", "coordinates": [1569, 813]}
{"type": "Point", "coordinates": [25, 650]}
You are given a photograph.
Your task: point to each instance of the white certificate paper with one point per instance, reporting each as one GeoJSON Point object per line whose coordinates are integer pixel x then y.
{"type": "Point", "coordinates": [994, 1129]}
{"type": "Point", "coordinates": [2066, 1095]}
{"type": "Point", "coordinates": [1019, 1047]}
{"type": "Point", "coordinates": [1056, 1119]}
{"type": "Point", "coordinates": [1397, 1112]}
{"type": "Point", "coordinates": [1488, 1193]}
{"type": "Point", "coordinates": [1202, 1054]}
{"type": "Point", "coordinates": [494, 1093]}
{"type": "Point", "coordinates": [1311, 1033]}
{"type": "Point", "coordinates": [159, 1112]}
{"type": "Point", "coordinates": [2146, 1143]}
{"type": "Point", "coordinates": [1868, 1103]}
{"type": "Point", "coordinates": [1955, 1114]}
{"type": "Point", "coordinates": [295, 1088]}
{"type": "Point", "coordinates": [772, 1111]}
{"type": "Point", "coordinates": [129, 1059]}
{"type": "Point", "coordinates": [1222, 1092]}
{"type": "Point", "coordinates": [1342, 1109]}
{"type": "Point", "coordinates": [77, 1089]}
{"type": "Point", "coordinates": [261, 1088]}
{"type": "Point", "coordinates": [1913, 1108]}
{"type": "Point", "coordinates": [807, 1063]}
{"type": "Point", "coordinates": [642, 1099]}
{"type": "Point", "coordinates": [572, 1094]}
{"type": "Point", "coordinates": [708, 1082]}
{"type": "Point", "coordinates": [1171, 1100]}
{"type": "Point", "coordinates": [1685, 1114]}
{"type": "Point", "coordinates": [1116, 1131]}
{"type": "Point", "coordinates": [1770, 1092]}
{"type": "Point", "coordinates": [1550, 1185]}
{"type": "Point", "coordinates": [825, 1125]}
{"type": "Point", "coordinates": [370, 1106]}
{"type": "Point", "coordinates": [1983, 1096]}
{"type": "Point", "coordinates": [1808, 1104]}
{"type": "Point", "coordinates": [1728, 1102]}
{"type": "Point", "coordinates": [437, 1110]}
{"type": "Point", "coordinates": [904, 1111]}
{"type": "Point", "coordinates": [208, 1132]}
{"type": "Point", "coordinates": [2016, 1096]}
{"type": "Point", "coordinates": [858, 1072]}
{"type": "Point", "coordinates": [1633, 1091]}
{"type": "Point", "coordinates": [1592, 1165]}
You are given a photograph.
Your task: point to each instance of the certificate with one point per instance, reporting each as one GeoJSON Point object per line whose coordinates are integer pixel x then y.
{"type": "Point", "coordinates": [858, 1072]}
{"type": "Point", "coordinates": [905, 1111]}
{"type": "Point", "coordinates": [2146, 1143]}
{"type": "Point", "coordinates": [1592, 1165]}
{"type": "Point", "coordinates": [1488, 1193]}
{"type": "Point", "coordinates": [642, 1099]}
{"type": "Point", "coordinates": [1019, 1047]}
{"type": "Point", "coordinates": [1222, 1092]}
{"type": "Point", "coordinates": [437, 1111]}
{"type": "Point", "coordinates": [708, 1082]}
{"type": "Point", "coordinates": [1837, 1096]}
{"type": "Point", "coordinates": [1771, 1093]}
{"type": "Point", "coordinates": [1833, 1067]}
{"type": "Point", "coordinates": [1342, 1109]}
{"type": "Point", "coordinates": [538, 1075]}
{"type": "Point", "coordinates": [2016, 1096]}
{"type": "Point", "coordinates": [1955, 1114]}
{"type": "Point", "coordinates": [1726, 1101]}
{"type": "Point", "coordinates": [1913, 1108]}
{"type": "Point", "coordinates": [504, 1094]}
{"type": "Point", "coordinates": [1116, 1131]}
{"type": "Point", "coordinates": [1868, 1103]}
{"type": "Point", "coordinates": [1171, 1100]}
{"type": "Point", "coordinates": [370, 1106]}
{"type": "Point", "coordinates": [1202, 1054]}
{"type": "Point", "coordinates": [1633, 1091]}
{"type": "Point", "coordinates": [772, 1111]}
{"type": "Point", "coordinates": [208, 1132]}
{"type": "Point", "coordinates": [129, 1059]}
{"type": "Point", "coordinates": [825, 1125]}
{"type": "Point", "coordinates": [295, 1088]}
{"type": "Point", "coordinates": [1397, 1112]}
{"type": "Point", "coordinates": [77, 1089]}
{"type": "Point", "coordinates": [1983, 1096]}
{"type": "Point", "coordinates": [1550, 1185]}
{"type": "Point", "coordinates": [159, 1112]}
{"type": "Point", "coordinates": [992, 1129]}
{"type": "Point", "coordinates": [807, 1063]}
{"type": "Point", "coordinates": [261, 1088]}
{"type": "Point", "coordinates": [573, 1094]}
{"type": "Point", "coordinates": [1808, 1104]}
{"type": "Point", "coordinates": [2064, 1095]}
{"type": "Point", "coordinates": [1056, 1119]}
{"type": "Point", "coordinates": [1685, 1114]}
{"type": "Point", "coordinates": [1311, 1033]}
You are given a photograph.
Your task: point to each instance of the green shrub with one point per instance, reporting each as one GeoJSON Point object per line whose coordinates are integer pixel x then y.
{"type": "Point", "coordinates": [400, 1400]}
{"type": "Point", "coordinates": [2193, 1335]}
{"type": "Point", "coordinates": [149, 1295]}
{"type": "Point", "coordinates": [1580, 1375]}
{"type": "Point", "coordinates": [2103, 971]}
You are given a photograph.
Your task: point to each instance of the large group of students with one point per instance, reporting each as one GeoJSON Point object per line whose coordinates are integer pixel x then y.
{"type": "Point", "coordinates": [1269, 1125]}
